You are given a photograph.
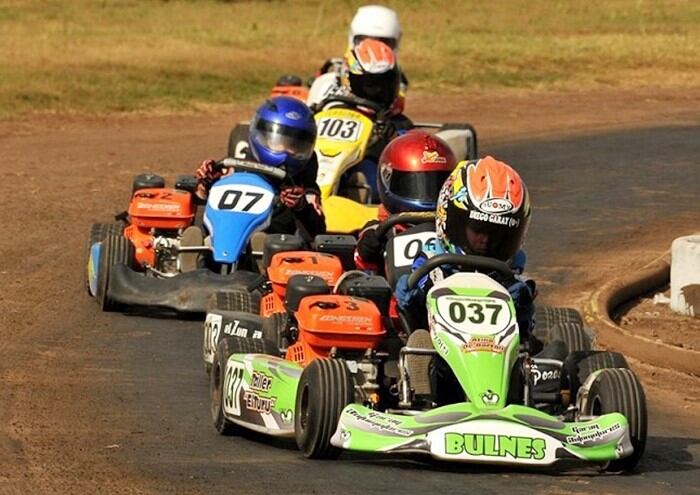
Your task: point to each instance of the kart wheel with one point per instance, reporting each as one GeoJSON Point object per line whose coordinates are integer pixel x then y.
{"type": "Point", "coordinates": [236, 300]}
{"type": "Point", "coordinates": [325, 388]}
{"type": "Point", "coordinates": [98, 232]}
{"type": "Point", "coordinates": [238, 141]}
{"type": "Point", "coordinates": [619, 390]}
{"type": "Point", "coordinates": [274, 329]}
{"type": "Point", "coordinates": [147, 181]}
{"type": "Point", "coordinates": [573, 335]}
{"type": "Point", "coordinates": [548, 316]}
{"type": "Point", "coordinates": [599, 361]}
{"type": "Point", "coordinates": [224, 350]}
{"type": "Point", "coordinates": [116, 249]}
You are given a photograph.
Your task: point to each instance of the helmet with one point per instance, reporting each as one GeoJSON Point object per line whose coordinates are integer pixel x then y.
{"type": "Point", "coordinates": [370, 71]}
{"type": "Point", "coordinates": [412, 168]}
{"type": "Point", "coordinates": [283, 133]}
{"type": "Point", "coordinates": [375, 21]}
{"type": "Point", "coordinates": [483, 209]}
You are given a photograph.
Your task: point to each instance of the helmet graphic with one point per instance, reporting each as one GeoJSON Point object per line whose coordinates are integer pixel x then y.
{"type": "Point", "coordinates": [283, 133]}
{"type": "Point", "coordinates": [483, 209]}
{"type": "Point", "coordinates": [370, 71]}
{"type": "Point", "coordinates": [412, 169]}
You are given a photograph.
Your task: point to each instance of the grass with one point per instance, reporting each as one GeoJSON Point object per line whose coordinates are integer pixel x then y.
{"type": "Point", "coordinates": [102, 56]}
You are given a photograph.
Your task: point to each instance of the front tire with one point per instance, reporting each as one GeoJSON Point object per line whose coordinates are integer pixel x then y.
{"type": "Point", "coordinates": [116, 249]}
{"type": "Point", "coordinates": [619, 390]}
{"type": "Point", "coordinates": [573, 335]}
{"type": "Point", "coordinates": [325, 388]}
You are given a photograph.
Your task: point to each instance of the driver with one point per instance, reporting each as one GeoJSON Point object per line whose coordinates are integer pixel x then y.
{"type": "Point", "coordinates": [412, 168]}
{"type": "Point", "coordinates": [483, 209]}
{"type": "Point", "coordinates": [282, 134]}
{"type": "Point", "coordinates": [375, 22]}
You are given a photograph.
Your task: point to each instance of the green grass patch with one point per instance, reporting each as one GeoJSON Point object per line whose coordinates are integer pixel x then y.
{"type": "Point", "coordinates": [101, 56]}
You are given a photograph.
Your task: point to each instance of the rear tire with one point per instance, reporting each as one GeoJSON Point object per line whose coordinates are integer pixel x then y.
{"type": "Point", "coordinates": [237, 300]}
{"type": "Point", "coordinates": [116, 249]}
{"type": "Point", "coordinates": [274, 329]}
{"type": "Point", "coordinates": [224, 350]}
{"type": "Point", "coordinates": [619, 390]}
{"type": "Point", "coordinates": [573, 335]}
{"type": "Point", "coordinates": [325, 388]}
{"type": "Point", "coordinates": [548, 316]}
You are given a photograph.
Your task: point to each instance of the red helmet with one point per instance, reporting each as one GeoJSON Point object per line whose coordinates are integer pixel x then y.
{"type": "Point", "coordinates": [412, 169]}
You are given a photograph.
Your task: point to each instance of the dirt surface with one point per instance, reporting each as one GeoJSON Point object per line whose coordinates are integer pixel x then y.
{"type": "Point", "coordinates": [659, 322]}
{"type": "Point", "coordinates": [67, 415]}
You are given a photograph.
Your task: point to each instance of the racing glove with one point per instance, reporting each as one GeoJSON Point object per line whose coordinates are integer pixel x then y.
{"type": "Point", "coordinates": [369, 247]}
{"type": "Point", "coordinates": [293, 197]}
{"type": "Point", "coordinates": [206, 175]}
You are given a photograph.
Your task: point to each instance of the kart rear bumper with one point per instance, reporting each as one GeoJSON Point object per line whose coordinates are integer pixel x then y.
{"type": "Point", "coordinates": [187, 292]}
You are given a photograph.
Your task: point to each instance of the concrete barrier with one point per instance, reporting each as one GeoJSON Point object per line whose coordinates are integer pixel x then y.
{"type": "Point", "coordinates": [612, 336]}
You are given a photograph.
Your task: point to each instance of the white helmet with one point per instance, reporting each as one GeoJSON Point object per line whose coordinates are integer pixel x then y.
{"type": "Point", "coordinates": [375, 21]}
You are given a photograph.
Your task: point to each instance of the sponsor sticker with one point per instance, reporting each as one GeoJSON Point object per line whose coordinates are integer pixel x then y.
{"type": "Point", "coordinates": [505, 446]}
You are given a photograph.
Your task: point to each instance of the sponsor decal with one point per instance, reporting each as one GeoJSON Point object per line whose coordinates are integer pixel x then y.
{"type": "Point", "coordinates": [293, 115]}
{"type": "Point", "coordinates": [287, 416]}
{"type": "Point", "coordinates": [489, 397]}
{"type": "Point", "coordinates": [158, 206]}
{"type": "Point", "coordinates": [439, 344]}
{"type": "Point", "coordinates": [378, 421]}
{"type": "Point", "coordinates": [432, 157]}
{"type": "Point", "coordinates": [261, 382]}
{"type": "Point", "coordinates": [507, 446]}
{"type": "Point", "coordinates": [257, 403]}
{"type": "Point", "coordinates": [590, 433]}
{"type": "Point", "coordinates": [494, 218]}
{"type": "Point", "coordinates": [235, 329]}
{"type": "Point", "coordinates": [326, 275]}
{"type": "Point", "coordinates": [544, 375]}
{"type": "Point", "coordinates": [356, 320]}
{"type": "Point", "coordinates": [497, 205]}
{"type": "Point", "coordinates": [476, 344]}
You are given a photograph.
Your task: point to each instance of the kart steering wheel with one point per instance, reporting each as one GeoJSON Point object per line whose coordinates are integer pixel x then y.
{"type": "Point", "coordinates": [480, 264]}
{"type": "Point", "coordinates": [411, 217]}
{"type": "Point", "coordinates": [352, 101]}
{"type": "Point", "coordinates": [251, 166]}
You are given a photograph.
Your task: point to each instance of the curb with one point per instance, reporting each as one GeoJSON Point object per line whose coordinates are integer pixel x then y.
{"type": "Point", "coordinates": [623, 289]}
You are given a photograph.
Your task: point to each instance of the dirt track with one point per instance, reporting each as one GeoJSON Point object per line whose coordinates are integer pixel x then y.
{"type": "Point", "coordinates": [72, 411]}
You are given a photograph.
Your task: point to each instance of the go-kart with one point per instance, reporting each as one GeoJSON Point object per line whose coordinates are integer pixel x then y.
{"type": "Point", "coordinates": [261, 310]}
{"type": "Point", "coordinates": [346, 128]}
{"type": "Point", "coordinates": [162, 258]}
{"type": "Point", "coordinates": [504, 406]}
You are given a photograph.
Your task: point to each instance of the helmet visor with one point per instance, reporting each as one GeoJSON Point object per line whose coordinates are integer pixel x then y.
{"type": "Point", "coordinates": [280, 138]}
{"type": "Point", "coordinates": [424, 186]}
{"type": "Point", "coordinates": [482, 237]}
{"type": "Point", "coordinates": [379, 88]}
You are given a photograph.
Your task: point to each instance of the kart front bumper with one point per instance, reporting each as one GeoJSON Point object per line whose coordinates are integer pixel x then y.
{"type": "Point", "coordinates": [187, 292]}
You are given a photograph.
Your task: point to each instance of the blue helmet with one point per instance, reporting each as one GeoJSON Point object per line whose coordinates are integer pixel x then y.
{"type": "Point", "coordinates": [283, 133]}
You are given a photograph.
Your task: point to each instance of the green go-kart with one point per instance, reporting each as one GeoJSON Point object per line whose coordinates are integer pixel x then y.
{"type": "Point", "coordinates": [508, 407]}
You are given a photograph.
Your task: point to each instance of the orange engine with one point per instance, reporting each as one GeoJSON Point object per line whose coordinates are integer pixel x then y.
{"type": "Point", "coordinates": [329, 321]}
{"type": "Point", "coordinates": [286, 264]}
{"type": "Point", "coordinates": [160, 209]}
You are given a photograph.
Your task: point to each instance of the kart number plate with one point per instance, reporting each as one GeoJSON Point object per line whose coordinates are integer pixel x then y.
{"type": "Point", "coordinates": [407, 247]}
{"type": "Point", "coordinates": [339, 129]}
{"type": "Point", "coordinates": [474, 315]}
{"type": "Point", "coordinates": [241, 198]}
{"type": "Point", "coordinates": [233, 381]}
